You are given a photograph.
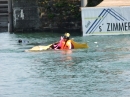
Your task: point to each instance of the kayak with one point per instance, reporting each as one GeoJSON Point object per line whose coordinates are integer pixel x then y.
{"type": "Point", "coordinates": [79, 45]}
{"type": "Point", "coordinates": [43, 48]}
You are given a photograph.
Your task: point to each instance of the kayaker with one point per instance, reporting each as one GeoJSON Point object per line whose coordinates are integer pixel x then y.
{"type": "Point", "coordinates": [57, 45]}
{"type": "Point", "coordinates": [19, 41]}
{"type": "Point", "coordinates": [66, 42]}
{"type": "Point", "coordinates": [23, 41]}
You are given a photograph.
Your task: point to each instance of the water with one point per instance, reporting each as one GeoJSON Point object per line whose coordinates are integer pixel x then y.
{"type": "Point", "coordinates": [103, 70]}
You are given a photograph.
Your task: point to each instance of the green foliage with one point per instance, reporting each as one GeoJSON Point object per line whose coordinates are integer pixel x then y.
{"type": "Point", "coordinates": [51, 15]}
{"type": "Point", "coordinates": [61, 8]}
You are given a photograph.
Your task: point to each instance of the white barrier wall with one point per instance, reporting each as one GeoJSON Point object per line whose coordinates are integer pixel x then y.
{"type": "Point", "coordinates": [105, 21]}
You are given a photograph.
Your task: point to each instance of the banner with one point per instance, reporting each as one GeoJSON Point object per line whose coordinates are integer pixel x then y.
{"type": "Point", "coordinates": [105, 21]}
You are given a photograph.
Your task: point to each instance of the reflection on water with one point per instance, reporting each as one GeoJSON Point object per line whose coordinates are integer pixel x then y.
{"type": "Point", "coordinates": [100, 71]}
{"type": "Point", "coordinates": [66, 52]}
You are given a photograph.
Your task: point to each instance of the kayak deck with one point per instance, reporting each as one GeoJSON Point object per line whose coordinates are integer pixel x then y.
{"type": "Point", "coordinates": [79, 45]}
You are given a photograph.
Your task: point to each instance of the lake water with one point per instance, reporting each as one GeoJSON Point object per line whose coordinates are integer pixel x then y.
{"type": "Point", "coordinates": [103, 70]}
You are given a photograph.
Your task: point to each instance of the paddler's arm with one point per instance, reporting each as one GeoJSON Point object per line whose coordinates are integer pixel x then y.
{"type": "Point", "coordinates": [69, 45]}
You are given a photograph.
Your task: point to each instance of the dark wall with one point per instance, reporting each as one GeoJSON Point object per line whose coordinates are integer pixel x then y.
{"type": "Point", "coordinates": [25, 15]}
{"type": "Point", "coordinates": [92, 3]}
{"type": "Point", "coordinates": [48, 15]}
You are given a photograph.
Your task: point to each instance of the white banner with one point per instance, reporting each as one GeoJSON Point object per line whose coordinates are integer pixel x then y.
{"type": "Point", "coordinates": [105, 21]}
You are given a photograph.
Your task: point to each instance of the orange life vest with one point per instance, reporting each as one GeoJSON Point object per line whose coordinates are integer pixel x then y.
{"type": "Point", "coordinates": [67, 45]}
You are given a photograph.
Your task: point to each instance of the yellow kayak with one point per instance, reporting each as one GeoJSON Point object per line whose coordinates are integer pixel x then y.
{"type": "Point", "coordinates": [39, 48]}
{"type": "Point", "coordinates": [79, 45]}
{"type": "Point", "coordinates": [43, 48]}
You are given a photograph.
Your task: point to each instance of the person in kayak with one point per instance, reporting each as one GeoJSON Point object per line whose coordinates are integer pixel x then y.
{"type": "Point", "coordinates": [66, 42]}
{"type": "Point", "coordinates": [57, 45]}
